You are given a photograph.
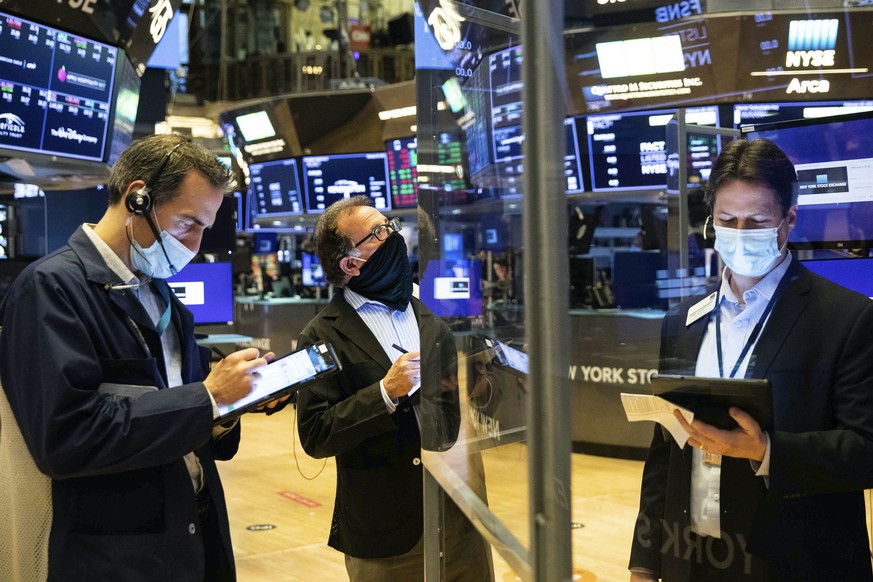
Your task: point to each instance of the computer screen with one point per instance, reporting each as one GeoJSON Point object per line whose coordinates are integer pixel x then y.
{"type": "Point", "coordinates": [275, 188]}
{"type": "Point", "coordinates": [313, 275]}
{"type": "Point", "coordinates": [752, 113]}
{"type": "Point", "coordinates": [331, 178]}
{"type": "Point", "coordinates": [402, 171]}
{"type": "Point", "coordinates": [854, 274]}
{"type": "Point", "coordinates": [628, 151]}
{"type": "Point", "coordinates": [57, 90]}
{"type": "Point", "coordinates": [833, 157]}
{"type": "Point", "coordinates": [494, 136]}
{"type": "Point", "coordinates": [207, 290]}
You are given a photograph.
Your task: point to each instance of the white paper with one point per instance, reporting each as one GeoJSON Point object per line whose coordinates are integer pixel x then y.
{"type": "Point", "coordinates": [638, 407]}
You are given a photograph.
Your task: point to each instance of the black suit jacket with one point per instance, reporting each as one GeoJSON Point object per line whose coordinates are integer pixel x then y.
{"type": "Point", "coordinates": [817, 352]}
{"type": "Point", "coordinates": [378, 510]}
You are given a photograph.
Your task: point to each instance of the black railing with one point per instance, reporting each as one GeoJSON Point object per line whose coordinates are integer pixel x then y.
{"type": "Point", "coordinates": [266, 75]}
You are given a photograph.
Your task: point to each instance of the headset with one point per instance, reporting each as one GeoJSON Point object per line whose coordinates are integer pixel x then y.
{"type": "Point", "coordinates": [139, 201]}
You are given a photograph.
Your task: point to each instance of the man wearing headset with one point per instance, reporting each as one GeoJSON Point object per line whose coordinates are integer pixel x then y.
{"type": "Point", "coordinates": [112, 395]}
{"type": "Point", "coordinates": [763, 503]}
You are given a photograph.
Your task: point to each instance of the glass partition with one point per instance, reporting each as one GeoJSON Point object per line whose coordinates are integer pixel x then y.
{"type": "Point", "coordinates": [471, 271]}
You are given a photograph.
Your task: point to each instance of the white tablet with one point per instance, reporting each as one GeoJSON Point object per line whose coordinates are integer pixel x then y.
{"type": "Point", "coordinates": [283, 376]}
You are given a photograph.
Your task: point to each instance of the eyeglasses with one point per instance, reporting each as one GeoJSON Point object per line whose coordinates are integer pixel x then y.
{"type": "Point", "coordinates": [382, 231]}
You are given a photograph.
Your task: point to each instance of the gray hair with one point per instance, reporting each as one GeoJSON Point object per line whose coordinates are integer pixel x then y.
{"type": "Point", "coordinates": [331, 244]}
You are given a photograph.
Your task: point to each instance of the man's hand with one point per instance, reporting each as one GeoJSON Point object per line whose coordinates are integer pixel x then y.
{"type": "Point", "coordinates": [231, 377]}
{"type": "Point", "coordinates": [747, 441]}
{"type": "Point", "coordinates": [643, 577]}
{"type": "Point", "coordinates": [403, 376]}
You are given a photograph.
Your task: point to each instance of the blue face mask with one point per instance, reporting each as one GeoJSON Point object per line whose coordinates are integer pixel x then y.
{"type": "Point", "coordinates": [748, 252]}
{"type": "Point", "coordinates": [154, 262]}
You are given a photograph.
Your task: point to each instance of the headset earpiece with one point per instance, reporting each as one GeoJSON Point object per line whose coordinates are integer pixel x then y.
{"type": "Point", "coordinates": [139, 201]}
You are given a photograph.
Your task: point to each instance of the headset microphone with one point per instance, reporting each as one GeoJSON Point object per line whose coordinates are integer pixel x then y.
{"type": "Point", "coordinates": [140, 202]}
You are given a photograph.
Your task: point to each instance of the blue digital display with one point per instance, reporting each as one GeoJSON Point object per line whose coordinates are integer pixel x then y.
{"type": "Point", "coordinates": [275, 188]}
{"type": "Point", "coordinates": [833, 157]}
{"type": "Point", "coordinates": [854, 274]}
{"type": "Point", "coordinates": [332, 178]}
{"type": "Point", "coordinates": [313, 275]}
{"type": "Point", "coordinates": [56, 90]}
{"type": "Point", "coordinates": [207, 290]}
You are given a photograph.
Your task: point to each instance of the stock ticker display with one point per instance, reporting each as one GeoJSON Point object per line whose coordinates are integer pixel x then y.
{"type": "Point", "coordinates": [55, 90]}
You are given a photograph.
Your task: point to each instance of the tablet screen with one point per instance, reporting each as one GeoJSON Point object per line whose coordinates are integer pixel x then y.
{"type": "Point", "coordinates": [282, 376]}
{"type": "Point", "coordinates": [508, 357]}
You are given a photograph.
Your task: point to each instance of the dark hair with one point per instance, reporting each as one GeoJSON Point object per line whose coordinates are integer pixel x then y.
{"type": "Point", "coordinates": [760, 162]}
{"type": "Point", "coordinates": [142, 157]}
{"type": "Point", "coordinates": [331, 244]}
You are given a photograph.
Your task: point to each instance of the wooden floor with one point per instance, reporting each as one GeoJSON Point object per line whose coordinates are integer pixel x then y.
{"type": "Point", "coordinates": [265, 488]}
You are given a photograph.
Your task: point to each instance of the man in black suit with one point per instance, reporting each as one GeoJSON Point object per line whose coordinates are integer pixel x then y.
{"type": "Point", "coordinates": [745, 504]}
{"type": "Point", "coordinates": [370, 416]}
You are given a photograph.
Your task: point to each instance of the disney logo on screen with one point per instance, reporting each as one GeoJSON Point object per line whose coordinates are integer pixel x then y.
{"type": "Point", "coordinates": [446, 24]}
{"type": "Point", "coordinates": [73, 135]}
{"type": "Point", "coordinates": [11, 126]}
{"type": "Point", "coordinates": [162, 13]}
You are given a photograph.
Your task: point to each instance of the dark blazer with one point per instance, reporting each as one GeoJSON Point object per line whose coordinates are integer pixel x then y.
{"type": "Point", "coordinates": [122, 499]}
{"type": "Point", "coordinates": [817, 352]}
{"type": "Point", "coordinates": [378, 510]}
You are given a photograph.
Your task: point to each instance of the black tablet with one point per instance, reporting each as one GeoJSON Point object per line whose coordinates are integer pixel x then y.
{"type": "Point", "coordinates": [710, 398]}
{"type": "Point", "coordinates": [506, 357]}
{"type": "Point", "coordinates": [283, 376]}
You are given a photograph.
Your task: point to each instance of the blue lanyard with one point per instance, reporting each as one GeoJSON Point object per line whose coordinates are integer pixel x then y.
{"type": "Point", "coordinates": [756, 331]}
{"type": "Point", "coordinates": [164, 321]}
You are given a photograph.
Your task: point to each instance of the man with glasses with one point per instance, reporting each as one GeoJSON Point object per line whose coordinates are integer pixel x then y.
{"type": "Point", "coordinates": [369, 416]}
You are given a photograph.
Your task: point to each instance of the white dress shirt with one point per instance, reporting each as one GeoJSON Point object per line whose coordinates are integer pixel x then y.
{"type": "Point", "coordinates": [737, 321]}
{"type": "Point", "coordinates": [390, 327]}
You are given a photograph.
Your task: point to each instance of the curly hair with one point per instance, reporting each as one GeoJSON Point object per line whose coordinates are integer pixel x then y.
{"type": "Point", "coordinates": [331, 244]}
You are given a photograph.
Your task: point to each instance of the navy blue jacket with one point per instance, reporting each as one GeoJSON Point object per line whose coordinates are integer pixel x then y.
{"type": "Point", "coordinates": [122, 499]}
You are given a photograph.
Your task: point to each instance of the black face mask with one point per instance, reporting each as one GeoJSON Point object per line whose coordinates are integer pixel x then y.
{"type": "Point", "coordinates": [386, 276]}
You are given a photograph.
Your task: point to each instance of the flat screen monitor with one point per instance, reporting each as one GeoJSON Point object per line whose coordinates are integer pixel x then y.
{"type": "Point", "coordinates": [628, 151]}
{"type": "Point", "coordinates": [854, 274]}
{"type": "Point", "coordinates": [207, 290]}
{"type": "Point", "coordinates": [56, 89]}
{"type": "Point", "coordinates": [255, 126]}
{"type": "Point", "coordinates": [402, 171]}
{"type": "Point", "coordinates": [275, 188]}
{"type": "Point", "coordinates": [453, 287]}
{"type": "Point", "coordinates": [508, 158]}
{"type": "Point", "coordinates": [833, 157]}
{"type": "Point", "coordinates": [127, 88]}
{"type": "Point", "coordinates": [494, 136]}
{"type": "Point", "coordinates": [313, 275]}
{"type": "Point", "coordinates": [752, 113]}
{"type": "Point", "coordinates": [331, 178]}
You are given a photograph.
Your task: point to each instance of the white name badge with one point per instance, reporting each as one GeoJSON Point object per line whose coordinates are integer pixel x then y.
{"type": "Point", "coordinates": [701, 308]}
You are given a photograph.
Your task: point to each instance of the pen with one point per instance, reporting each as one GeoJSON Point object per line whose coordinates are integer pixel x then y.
{"type": "Point", "coordinates": [221, 354]}
{"type": "Point", "coordinates": [399, 349]}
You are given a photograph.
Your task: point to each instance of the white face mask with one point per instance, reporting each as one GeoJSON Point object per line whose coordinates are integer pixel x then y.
{"type": "Point", "coordinates": [748, 252]}
{"type": "Point", "coordinates": [153, 260]}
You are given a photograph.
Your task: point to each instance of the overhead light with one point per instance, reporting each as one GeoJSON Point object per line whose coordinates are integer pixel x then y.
{"type": "Point", "coordinates": [398, 113]}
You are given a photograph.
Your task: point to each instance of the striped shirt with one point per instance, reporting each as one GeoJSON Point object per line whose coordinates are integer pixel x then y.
{"type": "Point", "coordinates": [390, 327]}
